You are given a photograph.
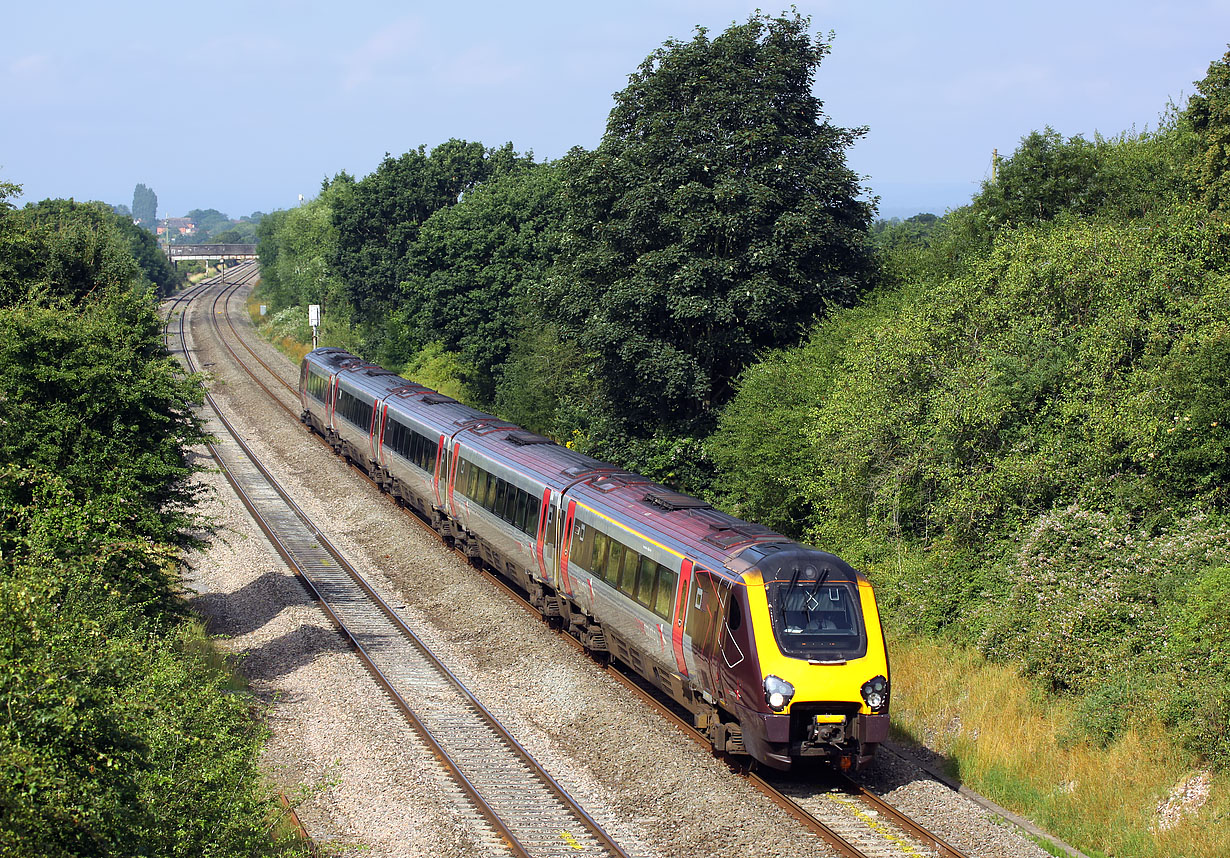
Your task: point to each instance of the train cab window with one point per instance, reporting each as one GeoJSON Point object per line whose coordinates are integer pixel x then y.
{"type": "Point", "coordinates": [667, 580]}
{"type": "Point", "coordinates": [814, 617]}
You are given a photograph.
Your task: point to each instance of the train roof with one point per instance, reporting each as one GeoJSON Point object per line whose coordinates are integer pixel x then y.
{"type": "Point", "coordinates": [680, 522]}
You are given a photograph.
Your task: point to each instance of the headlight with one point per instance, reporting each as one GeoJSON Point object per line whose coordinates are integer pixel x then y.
{"type": "Point", "coordinates": [875, 693]}
{"type": "Point", "coordinates": [777, 692]}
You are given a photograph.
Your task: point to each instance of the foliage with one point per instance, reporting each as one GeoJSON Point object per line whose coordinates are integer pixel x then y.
{"type": "Point", "coordinates": [441, 370]}
{"type": "Point", "coordinates": [545, 384]}
{"type": "Point", "coordinates": [297, 248]}
{"type": "Point", "coordinates": [113, 742]}
{"type": "Point", "coordinates": [475, 265]}
{"type": "Point", "coordinates": [1086, 594]}
{"type": "Point", "coordinates": [144, 207]}
{"type": "Point", "coordinates": [378, 218]}
{"type": "Point", "coordinates": [91, 394]}
{"type": "Point", "coordinates": [1131, 175]}
{"type": "Point", "coordinates": [117, 739]}
{"type": "Point", "coordinates": [61, 249]}
{"type": "Point", "coordinates": [715, 219]}
{"type": "Point", "coordinates": [1049, 372]}
{"type": "Point", "coordinates": [1208, 112]}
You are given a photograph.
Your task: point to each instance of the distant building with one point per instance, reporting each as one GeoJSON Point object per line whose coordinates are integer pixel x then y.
{"type": "Point", "coordinates": [176, 226]}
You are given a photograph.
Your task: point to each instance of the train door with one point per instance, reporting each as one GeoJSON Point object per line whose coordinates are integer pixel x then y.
{"type": "Point", "coordinates": [332, 401]}
{"type": "Point", "coordinates": [702, 624]}
{"type": "Point", "coordinates": [540, 534]}
{"type": "Point", "coordinates": [736, 662]}
{"type": "Point", "coordinates": [438, 471]}
{"type": "Point", "coordinates": [680, 615]}
{"type": "Point", "coordinates": [373, 432]}
{"type": "Point", "coordinates": [378, 453]}
{"type": "Point", "coordinates": [552, 542]}
{"type": "Point", "coordinates": [565, 542]}
{"type": "Point", "coordinates": [451, 476]}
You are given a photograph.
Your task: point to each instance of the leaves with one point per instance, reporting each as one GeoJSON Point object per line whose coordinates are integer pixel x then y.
{"type": "Point", "coordinates": [715, 219]}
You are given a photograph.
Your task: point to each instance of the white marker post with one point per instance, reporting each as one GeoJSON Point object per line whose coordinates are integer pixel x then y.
{"type": "Point", "coordinates": [314, 320]}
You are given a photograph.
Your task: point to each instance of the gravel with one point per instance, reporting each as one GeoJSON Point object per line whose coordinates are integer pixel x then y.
{"type": "Point", "coordinates": [366, 782]}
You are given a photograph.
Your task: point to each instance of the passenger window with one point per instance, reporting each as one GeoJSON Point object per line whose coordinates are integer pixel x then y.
{"type": "Point", "coordinates": [627, 572]}
{"type": "Point", "coordinates": [501, 490]}
{"type": "Point", "coordinates": [518, 517]}
{"type": "Point", "coordinates": [667, 579]}
{"type": "Point", "coordinates": [614, 563]}
{"type": "Point", "coordinates": [534, 506]}
{"type": "Point", "coordinates": [645, 575]}
{"type": "Point", "coordinates": [602, 548]}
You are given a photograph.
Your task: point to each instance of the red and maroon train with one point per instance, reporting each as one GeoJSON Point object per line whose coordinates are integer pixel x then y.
{"type": "Point", "coordinates": [775, 648]}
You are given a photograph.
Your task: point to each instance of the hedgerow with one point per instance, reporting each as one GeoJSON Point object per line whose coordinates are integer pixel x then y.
{"type": "Point", "coordinates": [116, 738]}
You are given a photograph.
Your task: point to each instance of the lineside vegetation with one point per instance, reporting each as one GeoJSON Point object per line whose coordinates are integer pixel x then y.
{"type": "Point", "coordinates": [118, 737]}
{"type": "Point", "coordinates": [1012, 416]}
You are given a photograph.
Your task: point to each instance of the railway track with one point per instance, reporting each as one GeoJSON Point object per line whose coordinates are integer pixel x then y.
{"type": "Point", "coordinates": [851, 819]}
{"type": "Point", "coordinates": [524, 811]}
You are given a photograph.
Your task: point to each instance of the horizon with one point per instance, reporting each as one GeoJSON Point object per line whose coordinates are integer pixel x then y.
{"type": "Point", "coordinates": [247, 121]}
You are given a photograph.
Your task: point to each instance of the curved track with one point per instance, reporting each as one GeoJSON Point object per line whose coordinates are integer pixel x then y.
{"type": "Point", "coordinates": [526, 811]}
{"type": "Point", "coordinates": [853, 820]}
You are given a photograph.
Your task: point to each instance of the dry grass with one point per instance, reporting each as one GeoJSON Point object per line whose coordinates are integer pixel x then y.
{"type": "Point", "coordinates": [1004, 740]}
{"type": "Point", "coordinates": [292, 348]}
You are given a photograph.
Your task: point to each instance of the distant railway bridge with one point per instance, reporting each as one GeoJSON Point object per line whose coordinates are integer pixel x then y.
{"type": "Point", "coordinates": [185, 252]}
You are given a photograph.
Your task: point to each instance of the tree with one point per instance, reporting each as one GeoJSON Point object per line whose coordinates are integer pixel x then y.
{"type": "Point", "coordinates": [1208, 112]}
{"type": "Point", "coordinates": [145, 206]}
{"type": "Point", "coordinates": [475, 263]}
{"type": "Point", "coordinates": [716, 219]}
{"type": "Point", "coordinates": [378, 222]}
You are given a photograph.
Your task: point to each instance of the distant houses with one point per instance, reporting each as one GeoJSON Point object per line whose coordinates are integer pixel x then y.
{"type": "Point", "coordinates": [176, 226]}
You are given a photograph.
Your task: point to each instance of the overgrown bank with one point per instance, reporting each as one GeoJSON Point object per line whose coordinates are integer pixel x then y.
{"type": "Point", "coordinates": [118, 736]}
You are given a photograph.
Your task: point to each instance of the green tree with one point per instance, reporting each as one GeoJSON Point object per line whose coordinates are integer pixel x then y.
{"type": "Point", "coordinates": [474, 266]}
{"type": "Point", "coordinates": [145, 207]}
{"type": "Point", "coordinates": [716, 218]}
{"type": "Point", "coordinates": [378, 221]}
{"type": "Point", "coordinates": [1208, 112]}
{"type": "Point", "coordinates": [63, 249]}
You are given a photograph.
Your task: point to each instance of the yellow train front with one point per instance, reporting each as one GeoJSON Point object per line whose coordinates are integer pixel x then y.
{"type": "Point", "coordinates": [799, 659]}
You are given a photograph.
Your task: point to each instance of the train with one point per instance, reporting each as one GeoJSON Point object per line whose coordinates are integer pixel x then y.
{"type": "Point", "coordinates": [775, 648]}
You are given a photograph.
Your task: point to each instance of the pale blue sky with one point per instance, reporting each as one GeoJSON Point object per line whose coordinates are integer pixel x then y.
{"type": "Point", "coordinates": [244, 106]}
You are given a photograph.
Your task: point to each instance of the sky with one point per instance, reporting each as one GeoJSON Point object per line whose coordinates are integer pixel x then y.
{"type": "Point", "coordinates": [242, 107]}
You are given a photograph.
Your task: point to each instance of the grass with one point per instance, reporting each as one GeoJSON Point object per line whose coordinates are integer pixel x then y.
{"type": "Point", "coordinates": [291, 346]}
{"type": "Point", "coordinates": [1005, 740]}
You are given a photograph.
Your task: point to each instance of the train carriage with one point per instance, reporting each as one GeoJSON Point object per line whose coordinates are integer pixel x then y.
{"type": "Point", "coordinates": [775, 647]}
